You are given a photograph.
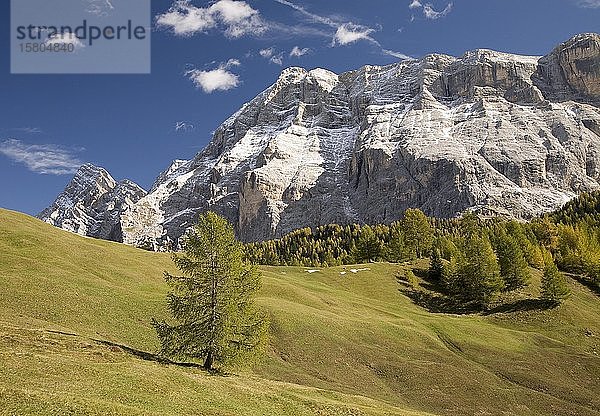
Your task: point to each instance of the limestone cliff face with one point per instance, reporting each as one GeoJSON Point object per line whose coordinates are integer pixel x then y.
{"type": "Point", "coordinates": [491, 132]}
{"type": "Point", "coordinates": [92, 204]}
{"type": "Point", "coordinates": [572, 70]}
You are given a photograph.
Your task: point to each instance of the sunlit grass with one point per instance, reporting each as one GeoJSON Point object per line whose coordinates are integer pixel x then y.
{"type": "Point", "coordinates": [342, 342]}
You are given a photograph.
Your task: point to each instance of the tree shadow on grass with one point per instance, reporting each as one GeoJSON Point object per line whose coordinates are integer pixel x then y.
{"type": "Point", "coordinates": [436, 302]}
{"type": "Point", "coordinates": [144, 355]}
{"type": "Point", "coordinates": [432, 296]}
{"type": "Point", "coordinates": [522, 305]}
{"type": "Point", "coordinates": [590, 284]}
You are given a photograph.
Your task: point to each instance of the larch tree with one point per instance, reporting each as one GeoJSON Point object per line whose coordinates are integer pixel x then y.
{"type": "Point", "coordinates": [479, 271]}
{"type": "Point", "coordinates": [368, 246]}
{"type": "Point", "coordinates": [211, 303]}
{"type": "Point", "coordinates": [554, 286]}
{"type": "Point", "coordinates": [513, 266]}
{"type": "Point", "coordinates": [436, 265]}
{"type": "Point", "coordinates": [417, 233]}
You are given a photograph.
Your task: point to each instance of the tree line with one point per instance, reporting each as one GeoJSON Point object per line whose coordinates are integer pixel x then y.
{"type": "Point", "coordinates": [473, 258]}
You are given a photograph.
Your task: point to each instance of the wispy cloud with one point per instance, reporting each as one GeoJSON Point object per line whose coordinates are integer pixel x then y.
{"type": "Point", "coordinates": [184, 127]}
{"type": "Point", "coordinates": [588, 4]}
{"type": "Point", "coordinates": [99, 7]}
{"type": "Point", "coordinates": [272, 55]}
{"type": "Point", "coordinates": [50, 159]}
{"type": "Point", "coordinates": [315, 18]}
{"type": "Point", "coordinates": [430, 13]}
{"type": "Point", "coordinates": [235, 18]}
{"type": "Point", "coordinates": [267, 52]}
{"type": "Point", "coordinates": [277, 59]}
{"type": "Point", "coordinates": [346, 33]}
{"type": "Point", "coordinates": [218, 79]}
{"type": "Point", "coordinates": [297, 51]}
{"type": "Point", "coordinates": [28, 130]}
{"type": "Point", "coordinates": [395, 54]}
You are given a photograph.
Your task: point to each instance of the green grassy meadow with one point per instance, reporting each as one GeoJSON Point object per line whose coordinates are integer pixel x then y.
{"type": "Point", "coordinates": [75, 324]}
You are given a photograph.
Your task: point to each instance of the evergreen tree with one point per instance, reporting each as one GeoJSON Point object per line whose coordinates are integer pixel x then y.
{"type": "Point", "coordinates": [450, 277]}
{"type": "Point", "coordinates": [478, 271]}
{"type": "Point", "coordinates": [416, 232]}
{"type": "Point", "coordinates": [531, 251]}
{"type": "Point", "coordinates": [469, 225]}
{"type": "Point", "coordinates": [394, 250]}
{"type": "Point", "coordinates": [537, 259]}
{"type": "Point", "coordinates": [436, 265]}
{"type": "Point", "coordinates": [513, 266]}
{"type": "Point", "coordinates": [545, 232]}
{"type": "Point", "coordinates": [211, 303]}
{"type": "Point", "coordinates": [554, 284]}
{"type": "Point", "coordinates": [368, 246]}
{"type": "Point", "coordinates": [411, 279]}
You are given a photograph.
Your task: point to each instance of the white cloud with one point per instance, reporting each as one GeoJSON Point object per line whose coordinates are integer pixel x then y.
{"type": "Point", "coordinates": [185, 19]}
{"type": "Point", "coordinates": [297, 51]}
{"type": "Point", "coordinates": [277, 59]}
{"type": "Point", "coordinates": [232, 62]}
{"type": "Point", "coordinates": [415, 4]}
{"type": "Point", "coordinates": [99, 7]}
{"type": "Point", "coordinates": [239, 18]}
{"type": "Point", "coordinates": [266, 53]}
{"type": "Point", "coordinates": [349, 33]}
{"type": "Point", "coordinates": [48, 159]}
{"type": "Point", "coordinates": [589, 4]}
{"type": "Point", "coordinates": [395, 54]}
{"type": "Point", "coordinates": [235, 18]}
{"type": "Point", "coordinates": [65, 39]}
{"type": "Point", "coordinates": [430, 13]}
{"type": "Point", "coordinates": [346, 33]}
{"type": "Point", "coordinates": [270, 54]}
{"type": "Point", "coordinates": [183, 127]}
{"type": "Point", "coordinates": [218, 79]}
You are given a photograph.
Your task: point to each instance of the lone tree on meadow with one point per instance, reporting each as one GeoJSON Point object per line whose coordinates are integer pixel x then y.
{"type": "Point", "coordinates": [211, 303]}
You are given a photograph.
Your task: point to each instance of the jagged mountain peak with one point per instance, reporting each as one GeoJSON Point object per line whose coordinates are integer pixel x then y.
{"type": "Point", "coordinates": [582, 38]}
{"type": "Point", "coordinates": [89, 181]}
{"type": "Point", "coordinates": [92, 203]}
{"type": "Point", "coordinates": [173, 170]}
{"type": "Point", "coordinates": [493, 132]}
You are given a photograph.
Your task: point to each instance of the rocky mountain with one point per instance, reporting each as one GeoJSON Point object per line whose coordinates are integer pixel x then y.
{"type": "Point", "coordinates": [492, 132]}
{"type": "Point", "coordinates": [92, 204]}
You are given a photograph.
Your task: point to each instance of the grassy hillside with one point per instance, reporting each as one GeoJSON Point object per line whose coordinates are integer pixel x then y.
{"type": "Point", "coordinates": [343, 343]}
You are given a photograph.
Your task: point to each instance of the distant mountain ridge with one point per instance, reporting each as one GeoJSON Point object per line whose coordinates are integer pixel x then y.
{"type": "Point", "coordinates": [492, 132]}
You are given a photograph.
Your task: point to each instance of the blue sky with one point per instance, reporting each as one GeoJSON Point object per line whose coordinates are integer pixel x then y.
{"type": "Point", "coordinates": [208, 58]}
